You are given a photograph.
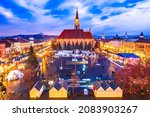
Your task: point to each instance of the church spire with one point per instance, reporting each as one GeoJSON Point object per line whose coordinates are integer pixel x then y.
{"type": "Point", "coordinates": [77, 17]}
{"type": "Point", "coordinates": [77, 24]}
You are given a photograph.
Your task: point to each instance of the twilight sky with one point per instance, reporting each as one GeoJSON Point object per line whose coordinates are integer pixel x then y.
{"type": "Point", "coordinates": [52, 16]}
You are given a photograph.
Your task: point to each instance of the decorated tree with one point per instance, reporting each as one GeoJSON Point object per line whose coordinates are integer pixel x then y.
{"type": "Point", "coordinates": [134, 78]}
{"type": "Point", "coordinates": [32, 59]}
{"type": "Point", "coordinates": [51, 72]}
{"type": "Point", "coordinates": [2, 91]}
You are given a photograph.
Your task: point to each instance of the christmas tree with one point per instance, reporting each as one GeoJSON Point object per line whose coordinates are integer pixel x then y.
{"type": "Point", "coordinates": [32, 59]}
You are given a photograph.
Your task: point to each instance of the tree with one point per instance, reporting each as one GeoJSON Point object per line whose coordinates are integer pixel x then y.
{"type": "Point", "coordinates": [73, 46]}
{"type": "Point", "coordinates": [32, 59]}
{"type": "Point", "coordinates": [96, 44]}
{"type": "Point", "coordinates": [86, 46]}
{"type": "Point", "coordinates": [28, 79]}
{"type": "Point", "coordinates": [69, 46]}
{"type": "Point", "coordinates": [2, 91]}
{"type": "Point", "coordinates": [77, 45]}
{"type": "Point", "coordinates": [89, 46]}
{"type": "Point", "coordinates": [52, 72]}
{"type": "Point", "coordinates": [81, 46]}
{"type": "Point", "coordinates": [54, 45]}
{"type": "Point", "coordinates": [74, 79]}
{"type": "Point", "coordinates": [134, 78]}
{"type": "Point", "coordinates": [65, 46]}
{"type": "Point", "coordinates": [59, 46]}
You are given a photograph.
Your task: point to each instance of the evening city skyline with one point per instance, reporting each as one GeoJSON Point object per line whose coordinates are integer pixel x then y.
{"type": "Point", "coordinates": [52, 16]}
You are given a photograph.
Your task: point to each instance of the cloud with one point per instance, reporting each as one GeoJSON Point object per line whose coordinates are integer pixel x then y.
{"type": "Point", "coordinates": [110, 17]}
{"type": "Point", "coordinates": [6, 12]}
{"type": "Point", "coordinates": [131, 20]}
{"type": "Point", "coordinates": [36, 7]}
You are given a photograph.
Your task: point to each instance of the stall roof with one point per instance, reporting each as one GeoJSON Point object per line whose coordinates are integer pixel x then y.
{"type": "Point", "coordinates": [38, 86]}
{"type": "Point", "coordinates": [96, 85]}
{"type": "Point", "coordinates": [57, 85]}
{"type": "Point", "coordinates": [113, 85]}
{"type": "Point", "coordinates": [128, 55]}
{"type": "Point", "coordinates": [65, 85]}
{"type": "Point", "coordinates": [105, 85]}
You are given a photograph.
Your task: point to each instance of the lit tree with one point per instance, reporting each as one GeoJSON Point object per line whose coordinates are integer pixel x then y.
{"type": "Point", "coordinates": [134, 78]}
{"type": "Point", "coordinates": [54, 45]}
{"type": "Point", "coordinates": [52, 72]}
{"type": "Point", "coordinates": [32, 59]}
{"type": "Point", "coordinates": [2, 91]}
{"type": "Point", "coordinates": [28, 78]}
{"type": "Point", "coordinates": [74, 78]}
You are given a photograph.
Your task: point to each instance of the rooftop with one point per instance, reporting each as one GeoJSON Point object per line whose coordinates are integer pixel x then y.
{"type": "Point", "coordinates": [105, 85]}
{"type": "Point", "coordinates": [143, 40]}
{"type": "Point", "coordinates": [128, 55]}
{"type": "Point", "coordinates": [58, 86]}
{"type": "Point", "coordinates": [75, 34]}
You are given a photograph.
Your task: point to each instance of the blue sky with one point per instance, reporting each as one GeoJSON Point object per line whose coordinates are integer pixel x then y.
{"type": "Point", "coordinates": [52, 16]}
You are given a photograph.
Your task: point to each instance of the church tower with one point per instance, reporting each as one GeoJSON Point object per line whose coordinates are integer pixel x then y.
{"type": "Point", "coordinates": [77, 24]}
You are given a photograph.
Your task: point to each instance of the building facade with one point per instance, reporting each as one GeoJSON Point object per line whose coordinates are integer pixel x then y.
{"type": "Point", "coordinates": [2, 49]}
{"type": "Point", "coordinates": [139, 46]}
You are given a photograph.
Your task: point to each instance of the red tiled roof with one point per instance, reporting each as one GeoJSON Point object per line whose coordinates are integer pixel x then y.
{"type": "Point", "coordinates": [75, 34]}
{"type": "Point", "coordinates": [88, 35]}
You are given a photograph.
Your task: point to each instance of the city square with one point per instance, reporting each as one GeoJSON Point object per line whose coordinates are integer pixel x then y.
{"type": "Point", "coordinates": [75, 65]}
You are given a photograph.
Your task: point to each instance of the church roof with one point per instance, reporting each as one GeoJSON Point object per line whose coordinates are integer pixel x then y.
{"type": "Point", "coordinates": [75, 34]}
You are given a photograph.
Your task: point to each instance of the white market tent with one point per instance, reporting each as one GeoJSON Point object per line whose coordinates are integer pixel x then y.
{"type": "Point", "coordinates": [107, 89]}
{"type": "Point", "coordinates": [15, 74]}
{"type": "Point", "coordinates": [37, 90]}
